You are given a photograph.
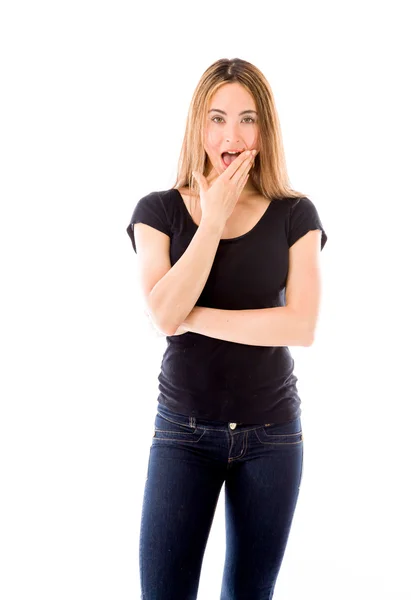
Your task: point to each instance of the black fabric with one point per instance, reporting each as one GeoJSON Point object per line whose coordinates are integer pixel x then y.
{"type": "Point", "coordinates": [215, 379]}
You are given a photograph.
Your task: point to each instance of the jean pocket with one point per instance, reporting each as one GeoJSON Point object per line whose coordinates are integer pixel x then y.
{"type": "Point", "coordinates": [166, 428]}
{"type": "Point", "coordinates": [284, 433]}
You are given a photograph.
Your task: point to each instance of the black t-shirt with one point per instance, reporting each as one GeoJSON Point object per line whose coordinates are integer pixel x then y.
{"type": "Point", "coordinates": [215, 379]}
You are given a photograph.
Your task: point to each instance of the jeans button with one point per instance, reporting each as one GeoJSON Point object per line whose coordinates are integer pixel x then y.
{"type": "Point", "coordinates": [233, 425]}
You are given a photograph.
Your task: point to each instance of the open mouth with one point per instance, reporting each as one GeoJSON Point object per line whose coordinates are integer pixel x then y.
{"type": "Point", "coordinates": [228, 158]}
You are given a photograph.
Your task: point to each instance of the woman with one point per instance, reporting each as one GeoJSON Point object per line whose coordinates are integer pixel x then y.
{"type": "Point", "coordinates": [229, 269]}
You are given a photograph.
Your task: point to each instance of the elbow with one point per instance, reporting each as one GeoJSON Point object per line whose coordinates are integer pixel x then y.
{"type": "Point", "coordinates": [308, 336]}
{"type": "Point", "coordinates": [157, 323]}
{"type": "Point", "coordinates": [159, 312]}
{"type": "Point", "coordinates": [307, 341]}
{"type": "Point", "coordinates": [165, 328]}
{"type": "Point", "coordinates": [166, 313]}
{"type": "Point", "coordinates": [308, 326]}
{"type": "Point", "coordinates": [168, 329]}
{"type": "Point", "coordinates": [302, 327]}
{"type": "Point", "coordinates": [307, 333]}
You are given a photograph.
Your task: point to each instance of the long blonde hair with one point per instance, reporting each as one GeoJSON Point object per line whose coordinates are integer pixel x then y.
{"type": "Point", "coordinates": [269, 173]}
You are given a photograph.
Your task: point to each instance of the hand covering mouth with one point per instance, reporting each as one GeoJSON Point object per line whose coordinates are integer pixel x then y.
{"type": "Point", "coordinates": [229, 158]}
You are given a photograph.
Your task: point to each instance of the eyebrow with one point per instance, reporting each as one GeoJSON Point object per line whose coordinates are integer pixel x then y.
{"type": "Point", "coordinates": [224, 113]}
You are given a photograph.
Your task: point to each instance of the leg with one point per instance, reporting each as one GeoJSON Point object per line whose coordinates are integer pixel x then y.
{"type": "Point", "coordinates": [261, 496]}
{"type": "Point", "coordinates": [180, 499]}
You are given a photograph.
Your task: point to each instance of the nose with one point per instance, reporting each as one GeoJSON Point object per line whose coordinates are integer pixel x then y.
{"type": "Point", "coordinates": [231, 133]}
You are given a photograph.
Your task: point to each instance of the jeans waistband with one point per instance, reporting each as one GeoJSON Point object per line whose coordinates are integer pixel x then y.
{"type": "Point", "coordinates": [196, 421]}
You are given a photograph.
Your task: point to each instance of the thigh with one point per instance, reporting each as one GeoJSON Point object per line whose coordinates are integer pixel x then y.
{"type": "Point", "coordinates": [180, 498]}
{"type": "Point", "coordinates": [261, 495]}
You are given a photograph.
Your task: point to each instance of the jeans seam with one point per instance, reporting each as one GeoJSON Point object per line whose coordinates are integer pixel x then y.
{"type": "Point", "coordinates": [243, 449]}
{"type": "Point", "coordinates": [177, 422]}
{"type": "Point", "coordinates": [169, 439]}
{"type": "Point", "coordinates": [278, 442]}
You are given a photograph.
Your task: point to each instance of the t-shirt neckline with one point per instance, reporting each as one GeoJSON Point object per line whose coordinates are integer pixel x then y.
{"type": "Point", "coordinates": [240, 237]}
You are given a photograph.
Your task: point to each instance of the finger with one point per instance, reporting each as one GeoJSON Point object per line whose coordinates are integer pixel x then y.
{"type": "Point", "coordinates": [242, 170]}
{"type": "Point", "coordinates": [242, 181]}
{"type": "Point", "coordinates": [235, 165]}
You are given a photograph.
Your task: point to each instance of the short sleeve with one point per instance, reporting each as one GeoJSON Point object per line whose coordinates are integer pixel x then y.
{"type": "Point", "coordinates": [304, 218]}
{"type": "Point", "coordinates": [149, 210]}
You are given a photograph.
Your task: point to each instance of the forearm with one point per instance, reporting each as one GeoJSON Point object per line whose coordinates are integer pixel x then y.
{"type": "Point", "coordinates": [175, 295]}
{"type": "Point", "coordinates": [277, 326]}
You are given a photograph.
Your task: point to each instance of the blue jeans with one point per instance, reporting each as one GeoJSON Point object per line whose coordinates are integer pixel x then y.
{"type": "Point", "coordinates": [190, 459]}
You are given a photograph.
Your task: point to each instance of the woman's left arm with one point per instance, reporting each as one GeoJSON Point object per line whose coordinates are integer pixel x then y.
{"type": "Point", "coordinates": [290, 325]}
{"type": "Point", "coordinates": [278, 326]}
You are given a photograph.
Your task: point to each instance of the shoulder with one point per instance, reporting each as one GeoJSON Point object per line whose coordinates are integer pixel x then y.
{"type": "Point", "coordinates": [301, 207]}
{"type": "Point", "coordinates": [158, 199]}
{"type": "Point", "coordinates": [303, 217]}
{"type": "Point", "coordinates": [299, 203]}
{"type": "Point", "coordinates": [152, 209]}
{"type": "Point", "coordinates": [157, 195]}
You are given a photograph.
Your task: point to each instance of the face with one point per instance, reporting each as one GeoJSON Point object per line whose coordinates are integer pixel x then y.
{"type": "Point", "coordinates": [233, 125]}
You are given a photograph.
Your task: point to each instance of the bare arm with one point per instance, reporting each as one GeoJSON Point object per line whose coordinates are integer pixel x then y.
{"type": "Point", "coordinates": [277, 326]}
{"type": "Point", "coordinates": [290, 325]}
{"type": "Point", "coordinates": [175, 295]}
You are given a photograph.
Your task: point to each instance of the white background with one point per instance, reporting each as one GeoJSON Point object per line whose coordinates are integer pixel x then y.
{"type": "Point", "coordinates": [93, 107]}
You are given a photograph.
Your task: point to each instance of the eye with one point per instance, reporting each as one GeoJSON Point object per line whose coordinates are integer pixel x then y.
{"type": "Point", "coordinates": [245, 118]}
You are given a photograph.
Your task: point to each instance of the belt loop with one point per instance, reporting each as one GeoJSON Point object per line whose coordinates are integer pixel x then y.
{"type": "Point", "coordinates": [192, 421]}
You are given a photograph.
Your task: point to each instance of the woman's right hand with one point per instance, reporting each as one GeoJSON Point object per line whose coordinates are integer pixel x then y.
{"type": "Point", "coordinates": [219, 199]}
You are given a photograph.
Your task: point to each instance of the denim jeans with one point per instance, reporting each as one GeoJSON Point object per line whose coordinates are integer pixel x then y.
{"type": "Point", "coordinates": [190, 459]}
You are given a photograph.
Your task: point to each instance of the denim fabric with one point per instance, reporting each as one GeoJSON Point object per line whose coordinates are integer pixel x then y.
{"type": "Point", "coordinates": [190, 459]}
